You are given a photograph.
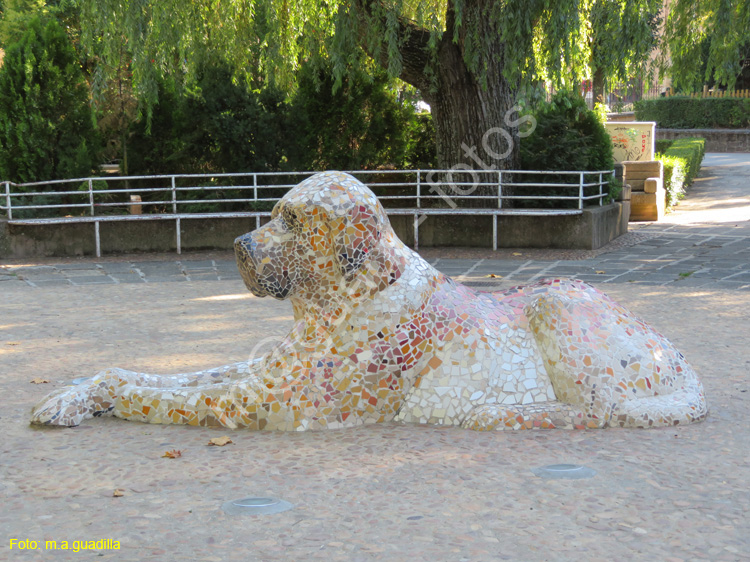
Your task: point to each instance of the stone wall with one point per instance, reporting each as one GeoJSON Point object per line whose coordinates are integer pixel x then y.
{"type": "Point", "coordinates": [717, 140]}
{"type": "Point", "coordinates": [592, 229]}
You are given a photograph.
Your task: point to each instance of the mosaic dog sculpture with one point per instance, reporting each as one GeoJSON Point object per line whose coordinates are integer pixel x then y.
{"type": "Point", "coordinates": [380, 335]}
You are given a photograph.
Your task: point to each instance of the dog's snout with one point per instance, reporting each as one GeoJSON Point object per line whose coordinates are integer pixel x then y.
{"type": "Point", "coordinates": [245, 250]}
{"type": "Point", "coordinates": [244, 243]}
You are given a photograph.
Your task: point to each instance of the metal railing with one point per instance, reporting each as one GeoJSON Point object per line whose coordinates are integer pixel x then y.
{"type": "Point", "coordinates": [419, 193]}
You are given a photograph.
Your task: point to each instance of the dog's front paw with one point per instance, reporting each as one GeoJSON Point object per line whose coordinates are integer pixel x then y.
{"type": "Point", "coordinates": [70, 406]}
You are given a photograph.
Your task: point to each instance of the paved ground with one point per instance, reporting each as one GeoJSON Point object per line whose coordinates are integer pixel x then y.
{"type": "Point", "coordinates": [389, 492]}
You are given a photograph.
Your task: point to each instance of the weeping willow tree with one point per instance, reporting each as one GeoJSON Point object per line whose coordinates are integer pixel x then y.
{"type": "Point", "coordinates": [623, 34]}
{"type": "Point", "coordinates": [469, 59]}
{"type": "Point", "coordinates": [722, 24]}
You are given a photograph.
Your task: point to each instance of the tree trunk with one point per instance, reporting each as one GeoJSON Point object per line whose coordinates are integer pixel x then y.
{"type": "Point", "coordinates": [470, 119]}
{"type": "Point", "coordinates": [598, 86]}
{"type": "Point", "coordinates": [470, 107]}
{"type": "Point", "coordinates": [474, 123]}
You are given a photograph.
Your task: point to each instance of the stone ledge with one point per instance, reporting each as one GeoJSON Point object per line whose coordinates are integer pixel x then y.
{"type": "Point", "coordinates": [592, 229]}
{"type": "Point", "coordinates": [717, 140]}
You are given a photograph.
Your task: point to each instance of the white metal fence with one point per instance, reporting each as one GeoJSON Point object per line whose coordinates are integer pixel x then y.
{"type": "Point", "coordinates": [419, 193]}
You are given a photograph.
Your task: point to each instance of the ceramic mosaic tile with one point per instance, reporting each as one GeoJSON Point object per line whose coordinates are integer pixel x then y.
{"type": "Point", "coordinates": [381, 335]}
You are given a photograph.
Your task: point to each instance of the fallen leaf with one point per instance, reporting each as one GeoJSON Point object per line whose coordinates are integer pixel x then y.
{"type": "Point", "coordinates": [220, 441]}
{"type": "Point", "coordinates": [12, 343]}
{"type": "Point", "coordinates": [517, 254]}
{"type": "Point", "coordinates": [494, 276]}
{"type": "Point", "coordinates": [118, 493]}
{"type": "Point", "coordinates": [600, 272]}
{"type": "Point", "coordinates": [38, 380]}
{"type": "Point", "coordinates": [173, 454]}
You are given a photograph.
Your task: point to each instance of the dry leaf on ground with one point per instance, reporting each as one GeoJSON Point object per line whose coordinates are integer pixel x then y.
{"type": "Point", "coordinates": [173, 454]}
{"type": "Point", "coordinates": [118, 493]}
{"type": "Point", "coordinates": [517, 254]}
{"type": "Point", "coordinates": [220, 441]}
{"type": "Point", "coordinates": [494, 276]}
{"type": "Point", "coordinates": [600, 272]}
{"type": "Point", "coordinates": [38, 380]}
{"type": "Point", "coordinates": [12, 343]}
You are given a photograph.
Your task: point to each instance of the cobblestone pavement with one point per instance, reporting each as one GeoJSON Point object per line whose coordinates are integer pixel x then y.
{"type": "Point", "coordinates": [705, 242]}
{"type": "Point", "coordinates": [387, 492]}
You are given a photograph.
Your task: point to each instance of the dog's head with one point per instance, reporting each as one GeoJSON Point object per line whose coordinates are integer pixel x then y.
{"type": "Point", "coordinates": [324, 232]}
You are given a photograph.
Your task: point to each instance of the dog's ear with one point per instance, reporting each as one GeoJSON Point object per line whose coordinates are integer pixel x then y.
{"type": "Point", "coordinates": [355, 236]}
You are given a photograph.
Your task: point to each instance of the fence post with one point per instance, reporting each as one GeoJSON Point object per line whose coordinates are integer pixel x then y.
{"type": "Point", "coordinates": [7, 200]}
{"type": "Point", "coordinates": [174, 198]}
{"type": "Point", "coordinates": [499, 190]}
{"type": "Point", "coordinates": [416, 231]}
{"type": "Point", "coordinates": [600, 190]}
{"type": "Point", "coordinates": [580, 192]}
{"type": "Point", "coordinates": [255, 198]}
{"type": "Point", "coordinates": [97, 240]}
{"type": "Point", "coordinates": [419, 189]}
{"type": "Point", "coordinates": [179, 236]}
{"type": "Point", "coordinates": [91, 197]}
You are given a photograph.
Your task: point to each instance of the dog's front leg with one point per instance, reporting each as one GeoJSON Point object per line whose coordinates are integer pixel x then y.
{"type": "Point", "coordinates": [98, 396]}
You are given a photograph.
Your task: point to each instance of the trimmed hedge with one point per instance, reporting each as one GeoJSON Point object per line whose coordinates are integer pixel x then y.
{"type": "Point", "coordinates": [682, 162]}
{"type": "Point", "coordinates": [663, 144]}
{"type": "Point", "coordinates": [695, 113]}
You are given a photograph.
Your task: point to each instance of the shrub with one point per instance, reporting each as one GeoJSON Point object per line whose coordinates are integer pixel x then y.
{"type": "Point", "coordinates": [568, 136]}
{"type": "Point", "coordinates": [421, 151]}
{"type": "Point", "coordinates": [682, 162]}
{"type": "Point", "coordinates": [680, 112]}
{"type": "Point", "coordinates": [663, 145]}
{"type": "Point", "coordinates": [216, 127]}
{"type": "Point", "coordinates": [361, 126]}
{"type": "Point", "coordinates": [46, 125]}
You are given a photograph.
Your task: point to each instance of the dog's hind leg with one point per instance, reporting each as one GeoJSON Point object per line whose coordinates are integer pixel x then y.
{"type": "Point", "coordinates": [680, 407]}
{"type": "Point", "coordinates": [612, 366]}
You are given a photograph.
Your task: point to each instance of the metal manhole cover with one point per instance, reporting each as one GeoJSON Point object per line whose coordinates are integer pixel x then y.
{"type": "Point", "coordinates": [564, 471]}
{"type": "Point", "coordinates": [256, 506]}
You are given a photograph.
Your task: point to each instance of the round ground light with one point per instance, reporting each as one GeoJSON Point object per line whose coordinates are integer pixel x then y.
{"type": "Point", "coordinates": [256, 506]}
{"type": "Point", "coordinates": [564, 471]}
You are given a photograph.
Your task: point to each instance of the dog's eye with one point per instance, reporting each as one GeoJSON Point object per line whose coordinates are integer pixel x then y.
{"type": "Point", "coordinates": [291, 219]}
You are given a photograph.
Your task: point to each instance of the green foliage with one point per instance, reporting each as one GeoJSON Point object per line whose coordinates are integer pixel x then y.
{"type": "Point", "coordinates": [682, 162]}
{"type": "Point", "coordinates": [220, 126]}
{"type": "Point", "coordinates": [16, 15]}
{"type": "Point", "coordinates": [568, 136]}
{"type": "Point", "coordinates": [46, 126]}
{"type": "Point", "coordinates": [420, 143]}
{"type": "Point", "coordinates": [552, 41]}
{"type": "Point", "coordinates": [679, 112]}
{"type": "Point", "coordinates": [216, 127]}
{"type": "Point", "coordinates": [623, 34]}
{"type": "Point", "coordinates": [360, 126]}
{"type": "Point", "coordinates": [157, 147]}
{"type": "Point", "coordinates": [663, 145]}
{"type": "Point", "coordinates": [722, 27]}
